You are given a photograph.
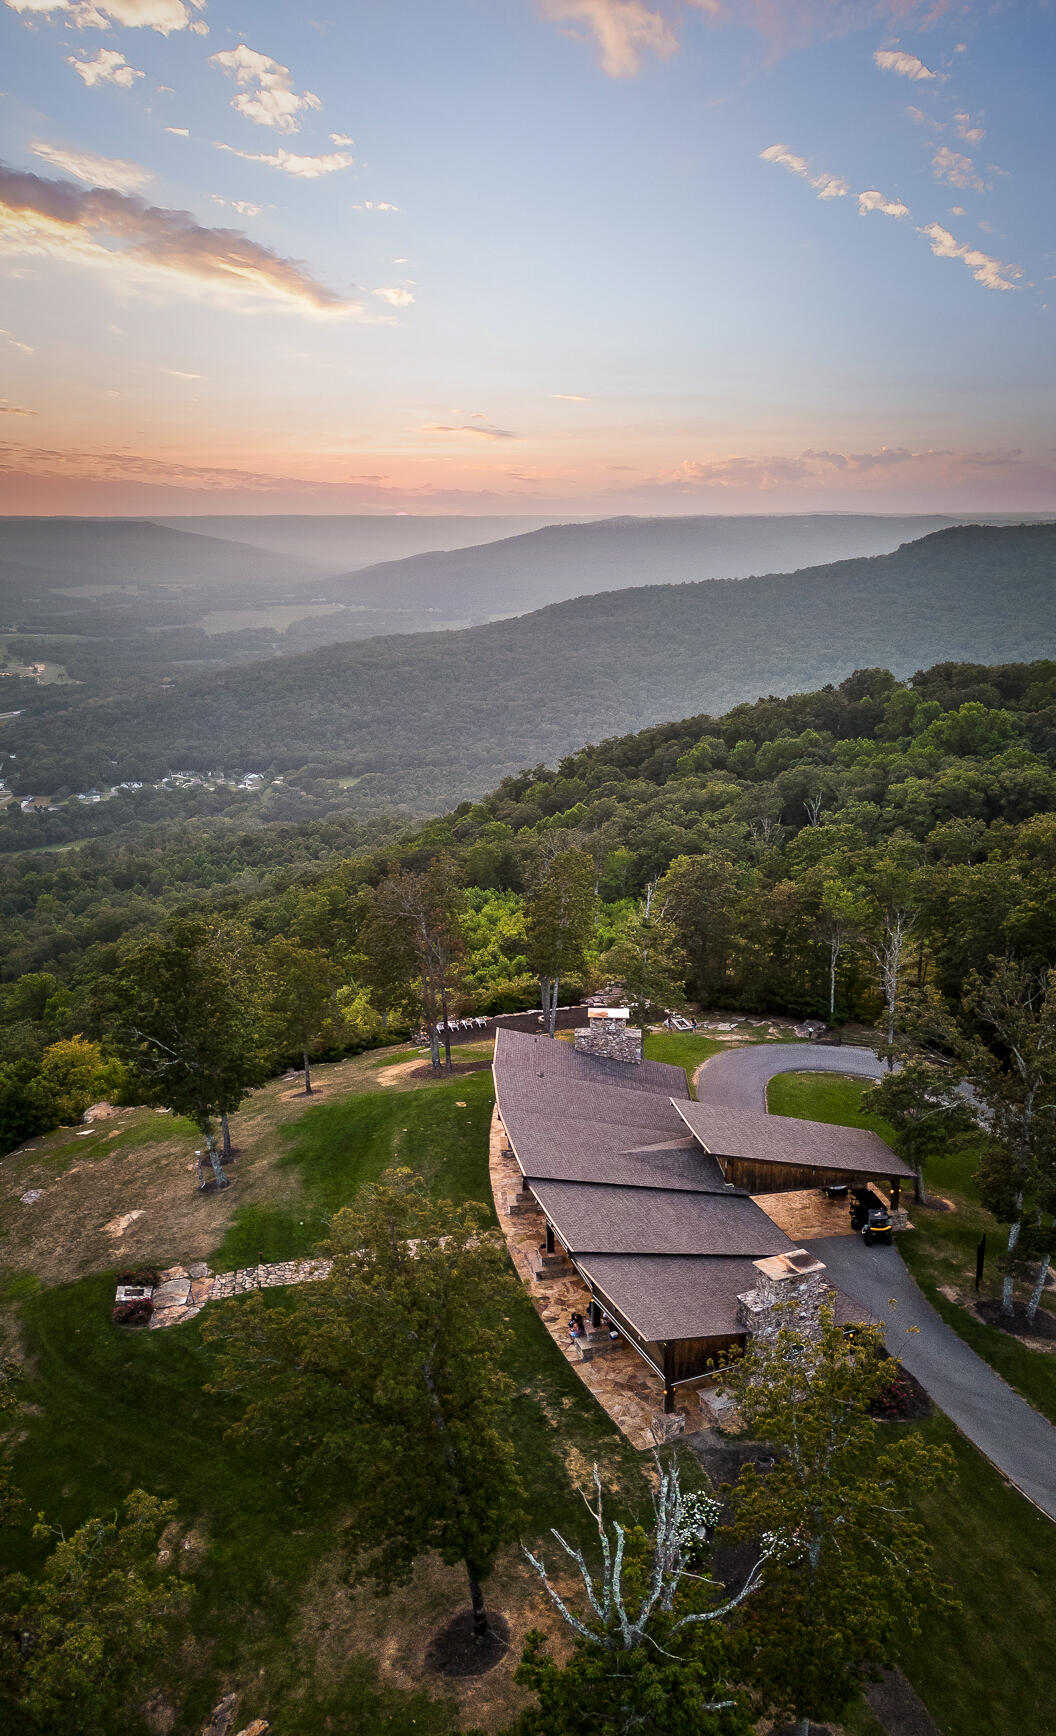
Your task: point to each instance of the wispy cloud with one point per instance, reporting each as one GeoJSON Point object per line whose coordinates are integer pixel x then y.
{"type": "Point", "coordinates": [375, 205]}
{"type": "Point", "coordinates": [871, 200]}
{"type": "Point", "coordinates": [180, 132]}
{"type": "Point", "coordinates": [266, 95]}
{"type": "Point", "coordinates": [242, 206]}
{"type": "Point", "coordinates": [825, 185]}
{"type": "Point", "coordinates": [570, 397]}
{"type": "Point", "coordinates": [341, 139]}
{"type": "Point", "coordinates": [624, 31]}
{"type": "Point", "coordinates": [477, 424]}
{"type": "Point", "coordinates": [305, 168]}
{"type": "Point", "coordinates": [906, 65]}
{"type": "Point", "coordinates": [957, 169]}
{"type": "Point", "coordinates": [97, 171]}
{"type": "Point", "coordinates": [179, 374]}
{"type": "Point", "coordinates": [164, 16]}
{"type": "Point", "coordinates": [395, 296]}
{"type": "Point", "coordinates": [990, 272]}
{"type": "Point", "coordinates": [16, 343]}
{"type": "Point", "coordinates": [120, 231]}
{"type": "Point", "coordinates": [9, 409]}
{"type": "Point", "coordinates": [967, 129]}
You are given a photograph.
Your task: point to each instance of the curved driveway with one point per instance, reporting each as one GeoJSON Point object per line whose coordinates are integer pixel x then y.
{"type": "Point", "coordinates": [737, 1079]}
{"type": "Point", "coordinates": [1008, 1431]}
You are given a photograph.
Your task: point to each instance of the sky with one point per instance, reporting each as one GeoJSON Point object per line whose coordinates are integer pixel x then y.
{"type": "Point", "coordinates": [540, 256]}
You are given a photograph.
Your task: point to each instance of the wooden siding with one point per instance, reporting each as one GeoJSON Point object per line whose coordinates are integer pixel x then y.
{"type": "Point", "coordinates": [690, 1358]}
{"type": "Point", "coordinates": [763, 1178]}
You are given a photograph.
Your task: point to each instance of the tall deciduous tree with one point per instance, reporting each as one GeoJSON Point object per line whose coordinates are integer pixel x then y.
{"type": "Point", "coordinates": [890, 882]}
{"type": "Point", "coordinates": [559, 918]}
{"type": "Point", "coordinates": [831, 1610]}
{"type": "Point", "coordinates": [97, 1625]}
{"type": "Point", "coordinates": [647, 958]}
{"type": "Point", "coordinates": [176, 1011]}
{"type": "Point", "coordinates": [925, 1107]}
{"type": "Point", "coordinates": [302, 1009]}
{"type": "Point", "coordinates": [699, 896]}
{"type": "Point", "coordinates": [1012, 1068]}
{"type": "Point", "coordinates": [412, 944]}
{"type": "Point", "coordinates": [384, 1379]}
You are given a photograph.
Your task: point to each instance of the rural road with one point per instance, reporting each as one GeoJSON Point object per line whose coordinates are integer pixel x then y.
{"type": "Point", "coordinates": [1008, 1431]}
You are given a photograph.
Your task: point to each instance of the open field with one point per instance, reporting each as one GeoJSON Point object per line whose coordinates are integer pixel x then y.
{"type": "Point", "coordinates": [277, 616]}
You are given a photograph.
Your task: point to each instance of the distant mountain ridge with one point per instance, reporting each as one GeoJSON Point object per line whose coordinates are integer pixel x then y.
{"type": "Point", "coordinates": [426, 720]}
{"type": "Point", "coordinates": [543, 566]}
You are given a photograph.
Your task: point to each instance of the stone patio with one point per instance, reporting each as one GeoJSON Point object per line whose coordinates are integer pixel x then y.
{"type": "Point", "coordinates": [621, 1382]}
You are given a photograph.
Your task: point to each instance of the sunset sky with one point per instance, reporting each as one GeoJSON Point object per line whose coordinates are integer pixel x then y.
{"type": "Point", "coordinates": [583, 256]}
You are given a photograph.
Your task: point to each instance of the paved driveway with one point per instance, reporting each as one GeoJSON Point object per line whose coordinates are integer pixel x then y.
{"type": "Point", "coordinates": [1012, 1435]}
{"type": "Point", "coordinates": [737, 1078]}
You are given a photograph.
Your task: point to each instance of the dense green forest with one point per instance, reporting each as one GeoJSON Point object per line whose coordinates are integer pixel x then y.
{"type": "Point", "coordinates": [426, 720]}
{"type": "Point", "coordinates": [773, 842]}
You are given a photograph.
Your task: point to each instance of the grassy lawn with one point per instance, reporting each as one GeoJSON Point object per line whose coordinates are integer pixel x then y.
{"type": "Point", "coordinates": [831, 1097]}
{"type": "Point", "coordinates": [681, 1049]}
{"type": "Point", "coordinates": [112, 1411]}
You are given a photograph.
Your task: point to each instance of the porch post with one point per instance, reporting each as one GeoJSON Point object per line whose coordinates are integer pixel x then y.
{"type": "Point", "coordinates": [595, 1314]}
{"type": "Point", "coordinates": [896, 1192]}
{"type": "Point", "coordinates": [550, 1238]}
{"type": "Point", "coordinates": [669, 1385]}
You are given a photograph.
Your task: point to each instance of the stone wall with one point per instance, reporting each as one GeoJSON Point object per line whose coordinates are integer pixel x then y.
{"type": "Point", "coordinates": [611, 1040]}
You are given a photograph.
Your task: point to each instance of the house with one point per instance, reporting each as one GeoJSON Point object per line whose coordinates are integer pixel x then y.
{"type": "Point", "coordinates": [649, 1194]}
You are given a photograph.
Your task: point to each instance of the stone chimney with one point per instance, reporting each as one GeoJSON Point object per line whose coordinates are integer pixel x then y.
{"type": "Point", "coordinates": [790, 1291]}
{"type": "Point", "coordinates": [609, 1035]}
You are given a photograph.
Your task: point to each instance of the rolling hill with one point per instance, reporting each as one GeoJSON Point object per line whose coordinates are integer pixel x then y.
{"type": "Point", "coordinates": [426, 720]}
{"type": "Point", "coordinates": [572, 560]}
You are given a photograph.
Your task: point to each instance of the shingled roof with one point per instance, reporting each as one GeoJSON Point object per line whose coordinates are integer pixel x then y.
{"type": "Point", "coordinates": [785, 1139]}
{"type": "Point", "coordinates": [597, 1219]}
{"type": "Point", "coordinates": [534, 1057]}
{"type": "Point", "coordinates": [626, 1169]}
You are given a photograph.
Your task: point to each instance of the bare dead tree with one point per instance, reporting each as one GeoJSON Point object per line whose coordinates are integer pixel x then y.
{"type": "Point", "coordinates": [619, 1618]}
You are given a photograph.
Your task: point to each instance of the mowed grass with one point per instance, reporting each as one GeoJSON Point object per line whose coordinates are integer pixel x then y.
{"type": "Point", "coordinates": [831, 1097]}
{"type": "Point", "coordinates": [339, 1146]}
{"type": "Point", "coordinates": [686, 1049]}
{"type": "Point", "coordinates": [111, 1411]}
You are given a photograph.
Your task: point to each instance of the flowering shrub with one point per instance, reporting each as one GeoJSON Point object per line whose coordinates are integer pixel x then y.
{"type": "Point", "coordinates": [133, 1313]}
{"type": "Point", "coordinates": [899, 1398]}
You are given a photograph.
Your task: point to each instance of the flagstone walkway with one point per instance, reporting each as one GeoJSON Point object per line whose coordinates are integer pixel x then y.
{"type": "Point", "coordinates": [183, 1291]}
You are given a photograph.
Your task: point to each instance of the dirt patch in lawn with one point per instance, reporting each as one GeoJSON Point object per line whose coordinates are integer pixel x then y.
{"type": "Point", "coordinates": [397, 1632]}
{"type": "Point", "coordinates": [421, 1072]}
{"type": "Point", "coordinates": [127, 1195]}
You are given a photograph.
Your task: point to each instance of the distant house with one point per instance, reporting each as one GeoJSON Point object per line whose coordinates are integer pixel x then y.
{"type": "Point", "coordinates": [648, 1192]}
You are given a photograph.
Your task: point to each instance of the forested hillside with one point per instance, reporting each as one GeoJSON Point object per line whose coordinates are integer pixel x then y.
{"type": "Point", "coordinates": [776, 838]}
{"type": "Point", "coordinates": [573, 560]}
{"type": "Point", "coordinates": [426, 720]}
